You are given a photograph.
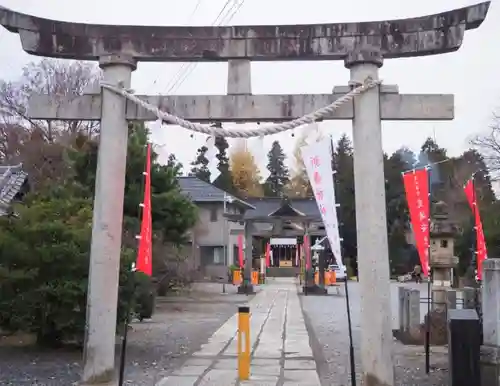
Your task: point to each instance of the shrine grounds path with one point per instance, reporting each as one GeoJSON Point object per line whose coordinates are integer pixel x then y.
{"type": "Point", "coordinates": [327, 324]}
{"type": "Point", "coordinates": [179, 327]}
{"type": "Point", "coordinates": [183, 324]}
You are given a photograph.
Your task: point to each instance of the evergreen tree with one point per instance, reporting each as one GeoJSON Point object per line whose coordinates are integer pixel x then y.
{"type": "Point", "coordinates": [45, 252]}
{"type": "Point", "coordinates": [343, 164]}
{"type": "Point", "coordinates": [173, 214]}
{"type": "Point", "coordinates": [433, 155]}
{"type": "Point", "coordinates": [224, 181]}
{"type": "Point", "coordinates": [200, 165]}
{"type": "Point", "coordinates": [279, 175]}
{"type": "Point", "coordinates": [430, 152]}
{"type": "Point", "coordinates": [408, 157]}
{"type": "Point", "coordinates": [397, 212]}
{"type": "Point", "coordinates": [482, 179]}
{"type": "Point", "coordinates": [174, 164]}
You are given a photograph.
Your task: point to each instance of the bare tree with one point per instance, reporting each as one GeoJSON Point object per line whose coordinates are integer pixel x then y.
{"type": "Point", "coordinates": [489, 147]}
{"type": "Point", "coordinates": [40, 144]}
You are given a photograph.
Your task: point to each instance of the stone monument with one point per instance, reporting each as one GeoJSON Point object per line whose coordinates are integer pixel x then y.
{"type": "Point", "coordinates": [362, 46]}
{"type": "Point", "coordinates": [442, 259]}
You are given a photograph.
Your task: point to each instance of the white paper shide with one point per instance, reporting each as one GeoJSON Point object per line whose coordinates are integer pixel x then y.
{"type": "Point", "coordinates": [318, 163]}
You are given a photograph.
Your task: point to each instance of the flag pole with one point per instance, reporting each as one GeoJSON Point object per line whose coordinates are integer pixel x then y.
{"type": "Point", "coordinates": [131, 288]}
{"type": "Point", "coordinates": [352, 360]}
{"type": "Point", "coordinates": [429, 283]}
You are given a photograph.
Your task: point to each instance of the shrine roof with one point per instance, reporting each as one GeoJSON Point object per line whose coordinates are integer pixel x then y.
{"type": "Point", "coordinates": [427, 35]}
{"type": "Point", "coordinates": [200, 191]}
{"type": "Point", "coordinates": [273, 207]}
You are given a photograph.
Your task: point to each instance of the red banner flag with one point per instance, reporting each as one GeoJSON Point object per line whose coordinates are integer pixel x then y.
{"type": "Point", "coordinates": [481, 252]}
{"type": "Point", "coordinates": [416, 184]}
{"type": "Point", "coordinates": [145, 252]}
{"type": "Point", "coordinates": [240, 250]}
{"type": "Point", "coordinates": [268, 255]}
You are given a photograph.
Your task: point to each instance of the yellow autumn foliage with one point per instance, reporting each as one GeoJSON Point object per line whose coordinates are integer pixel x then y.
{"type": "Point", "coordinates": [245, 172]}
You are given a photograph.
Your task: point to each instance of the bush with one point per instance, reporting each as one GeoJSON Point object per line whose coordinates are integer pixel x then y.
{"type": "Point", "coordinates": [144, 296]}
{"type": "Point", "coordinates": [44, 263]}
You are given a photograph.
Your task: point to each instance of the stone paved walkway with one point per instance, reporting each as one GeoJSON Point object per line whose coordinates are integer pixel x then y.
{"type": "Point", "coordinates": [281, 353]}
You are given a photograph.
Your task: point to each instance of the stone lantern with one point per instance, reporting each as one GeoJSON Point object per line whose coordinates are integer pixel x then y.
{"type": "Point", "coordinates": [442, 260]}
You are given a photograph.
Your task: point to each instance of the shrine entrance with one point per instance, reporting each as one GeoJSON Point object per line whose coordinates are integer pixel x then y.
{"type": "Point", "coordinates": [284, 252]}
{"type": "Point", "coordinates": [283, 223]}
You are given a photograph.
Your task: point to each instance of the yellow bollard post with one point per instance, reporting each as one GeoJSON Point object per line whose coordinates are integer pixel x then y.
{"type": "Point", "coordinates": [243, 339]}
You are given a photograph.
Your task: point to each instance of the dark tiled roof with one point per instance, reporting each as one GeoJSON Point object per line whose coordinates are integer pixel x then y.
{"type": "Point", "coordinates": [12, 179]}
{"type": "Point", "coordinates": [202, 191]}
{"type": "Point", "coordinates": [286, 210]}
{"type": "Point", "coordinates": [267, 205]}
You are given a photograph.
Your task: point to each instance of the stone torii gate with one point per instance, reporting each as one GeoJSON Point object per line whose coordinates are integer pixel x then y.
{"type": "Point", "coordinates": [362, 46]}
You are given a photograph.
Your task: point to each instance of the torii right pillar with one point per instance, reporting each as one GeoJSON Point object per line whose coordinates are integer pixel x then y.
{"type": "Point", "coordinates": [369, 180]}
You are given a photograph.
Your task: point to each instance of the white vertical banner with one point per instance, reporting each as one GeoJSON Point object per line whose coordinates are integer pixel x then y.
{"type": "Point", "coordinates": [317, 158]}
{"type": "Point", "coordinates": [313, 133]}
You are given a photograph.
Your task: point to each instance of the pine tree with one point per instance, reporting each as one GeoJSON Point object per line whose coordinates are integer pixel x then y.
{"type": "Point", "coordinates": [430, 152]}
{"type": "Point", "coordinates": [224, 181]}
{"type": "Point", "coordinates": [474, 161]}
{"type": "Point", "coordinates": [279, 175]}
{"type": "Point", "coordinates": [200, 165]}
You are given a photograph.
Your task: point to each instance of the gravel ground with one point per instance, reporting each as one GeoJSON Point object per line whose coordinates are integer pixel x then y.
{"type": "Point", "coordinates": [326, 317]}
{"type": "Point", "coordinates": [179, 327]}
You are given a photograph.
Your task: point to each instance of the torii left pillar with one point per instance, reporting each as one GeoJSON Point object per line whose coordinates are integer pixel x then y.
{"type": "Point", "coordinates": [104, 270]}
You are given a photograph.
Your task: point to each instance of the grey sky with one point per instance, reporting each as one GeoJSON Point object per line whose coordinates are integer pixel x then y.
{"type": "Point", "coordinates": [471, 73]}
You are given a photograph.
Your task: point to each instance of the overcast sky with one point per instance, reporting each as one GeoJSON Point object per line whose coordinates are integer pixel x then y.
{"type": "Point", "coordinates": [471, 73]}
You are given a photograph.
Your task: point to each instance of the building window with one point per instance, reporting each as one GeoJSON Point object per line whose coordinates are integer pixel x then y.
{"type": "Point", "coordinates": [444, 243]}
{"type": "Point", "coordinates": [213, 214]}
{"type": "Point", "coordinates": [218, 255]}
{"type": "Point", "coordinates": [210, 255]}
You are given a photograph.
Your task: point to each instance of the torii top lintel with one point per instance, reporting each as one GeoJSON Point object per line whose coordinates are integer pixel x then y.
{"type": "Point", "coordinates": [427, 35]}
